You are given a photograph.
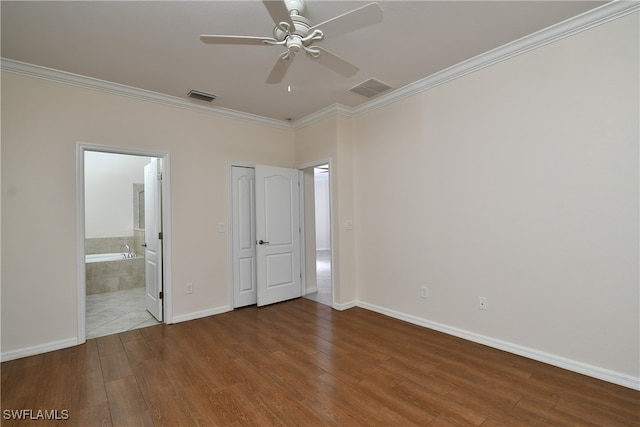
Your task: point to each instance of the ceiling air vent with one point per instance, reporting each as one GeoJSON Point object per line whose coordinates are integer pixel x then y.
{"type": "Point", "coordinates": [370, 88]}
{"type": "Point", "coordinates": [202, 96]}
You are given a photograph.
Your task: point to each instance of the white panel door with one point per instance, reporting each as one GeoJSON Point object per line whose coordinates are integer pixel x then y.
{"type": "Point", "coordinates": [244, 236]}
{"type": "Point", "coordinates": [278, 234]}
{"type": "Point", "coordinates": [153, 242]}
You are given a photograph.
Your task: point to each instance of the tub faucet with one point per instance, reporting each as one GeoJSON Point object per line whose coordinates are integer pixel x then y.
{"type": "Point", "coordinates": [128, 254]}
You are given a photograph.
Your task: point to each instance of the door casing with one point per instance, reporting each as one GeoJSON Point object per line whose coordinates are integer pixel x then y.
{"type": "Point", "coordinates": [81, 148]}
{"type": "Point", "coordinates": [301, 167]}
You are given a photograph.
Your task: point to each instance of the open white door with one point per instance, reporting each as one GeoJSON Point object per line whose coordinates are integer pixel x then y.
{"type": "Point", "coordinates": [153, 237]}
{"type": "Point", "coordinates": [278, 233]}
{"type": "Point", "coordinates": [244, 236]}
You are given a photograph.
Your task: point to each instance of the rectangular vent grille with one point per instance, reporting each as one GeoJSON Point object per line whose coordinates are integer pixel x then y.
{"type": "Point", "coordinates": [202, 96]}
{"type": "Point", "coordinates": [370, 88]}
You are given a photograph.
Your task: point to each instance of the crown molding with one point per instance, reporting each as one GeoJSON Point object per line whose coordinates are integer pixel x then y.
{"type": "Point", "coordinates": [50, 74]}
{"type": "Point", "coordinates": [569, 27]}
{"type": "Point", "coordinates": [330, 111]}
{"type": "Point", "coordinates": [592, 18]}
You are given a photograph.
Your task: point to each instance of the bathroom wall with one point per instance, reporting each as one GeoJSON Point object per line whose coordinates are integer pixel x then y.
{"type": "Point", "coordinates": [106, 245]}
{"type": "Point", "coordinates": [109, 200]}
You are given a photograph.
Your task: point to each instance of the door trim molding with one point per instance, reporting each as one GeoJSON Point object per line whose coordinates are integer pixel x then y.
{"type": "Point", "coordinates": [332, 237]}
{"type": "Point", "coordinates": [81, 148]}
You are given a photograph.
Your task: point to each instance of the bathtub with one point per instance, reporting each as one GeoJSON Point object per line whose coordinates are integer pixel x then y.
{"type": "Point", "coordinates": [115, 256]}
{"type": "Point", "coordinates": [113, 272]}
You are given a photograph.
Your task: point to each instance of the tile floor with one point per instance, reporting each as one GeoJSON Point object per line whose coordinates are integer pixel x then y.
{"type": "Point", "coordinates": [323, 273]}
{"type": "Point", "coordinates": [114, 312]}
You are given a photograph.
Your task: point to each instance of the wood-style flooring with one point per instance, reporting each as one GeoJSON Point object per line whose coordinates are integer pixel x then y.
{"type": "Point", "coordinates": [300, 363]}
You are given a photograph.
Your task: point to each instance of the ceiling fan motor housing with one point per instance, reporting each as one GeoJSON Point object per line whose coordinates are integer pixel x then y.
{"type": "Point", "coordinates": [301, 28]}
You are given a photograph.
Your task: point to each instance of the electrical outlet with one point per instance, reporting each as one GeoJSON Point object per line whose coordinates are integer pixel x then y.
{"type": "Point", "coordinates": [483, 304]}
{"type": "Point", "coordinates": [189, 288]}
{"type": "Point", "coordinates": [424, 292]}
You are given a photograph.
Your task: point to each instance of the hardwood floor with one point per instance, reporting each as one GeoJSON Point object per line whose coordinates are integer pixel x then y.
{"type": "Point", "coordinates": [302, 363]}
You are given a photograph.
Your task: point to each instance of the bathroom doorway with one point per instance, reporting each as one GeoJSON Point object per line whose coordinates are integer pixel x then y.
{"type": "Point", "coordinates": [318, 237]}
{"type": "Point", "coordinates": [115, 218]}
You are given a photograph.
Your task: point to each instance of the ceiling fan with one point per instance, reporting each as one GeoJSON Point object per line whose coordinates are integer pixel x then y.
{"type": "Point", "coordinates": [297, 33]}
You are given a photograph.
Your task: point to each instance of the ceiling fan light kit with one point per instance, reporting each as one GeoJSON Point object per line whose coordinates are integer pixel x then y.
{"type": "Point", "coordinates": [297, 33]}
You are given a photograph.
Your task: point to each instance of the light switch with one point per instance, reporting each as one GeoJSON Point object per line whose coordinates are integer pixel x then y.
{"type": "Point", "coordinates": [349, 225]}
{"type": "Point", "coordinates": [221, 227]}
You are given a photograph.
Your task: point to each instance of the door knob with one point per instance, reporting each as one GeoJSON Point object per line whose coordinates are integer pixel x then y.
{"type": "Point", "coordinates": [262, 242]}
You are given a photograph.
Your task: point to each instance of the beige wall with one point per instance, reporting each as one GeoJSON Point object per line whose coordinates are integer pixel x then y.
{"type": "Point", "coordinates": [518, 183]}
{"type": "Point", "coordinates": [41, 124]}
{"type": "Point", "coordinates": [331, 138]}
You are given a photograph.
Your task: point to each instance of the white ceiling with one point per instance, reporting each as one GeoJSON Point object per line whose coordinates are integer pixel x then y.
{"type": "Point", "coordinates": [155, 45]}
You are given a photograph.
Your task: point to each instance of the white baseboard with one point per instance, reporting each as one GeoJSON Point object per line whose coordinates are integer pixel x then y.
{"type": "Point", "coordinates": [199, 314]}
{"type": "Point", "coordinates": [311, 290]}
{"type": "Point", "coordinates": [345, 306]}
{"type": "Point", "coordinates": [550, 359]}
{"type": "Point", "coordinates": [71, 342]}
{"type": "Point", "coordinates": [38, 349]}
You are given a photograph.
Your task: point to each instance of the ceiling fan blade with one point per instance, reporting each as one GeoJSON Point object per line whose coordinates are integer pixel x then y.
{"type": "Point", "coordinates": [250, 40]}
{"type": "Point", "coordinates": [358, 18]}
{"type": "Point", "coordinates": [334, 62]}
{"type": "Point", "coordinates": [278, 11]}
{"type": "Point", "coordinates": [280, 68]}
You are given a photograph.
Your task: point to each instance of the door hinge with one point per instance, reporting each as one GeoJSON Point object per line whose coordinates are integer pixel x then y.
{"type": "Point", "coordinates": [159, 176]}
{"type": "Point", "coordinates": [161, 295]}
{"type": "Point", "coordinates": [160, 235]}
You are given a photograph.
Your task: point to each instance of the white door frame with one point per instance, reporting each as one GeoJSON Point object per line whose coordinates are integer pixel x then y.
{"type": "Point", "coordinates": [331, 226]}
{"type": "Point", "coordinates": [81, 148]}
